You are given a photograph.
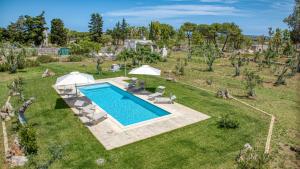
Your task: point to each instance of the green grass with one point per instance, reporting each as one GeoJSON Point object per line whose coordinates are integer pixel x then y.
{"type": "Point", "coordinates": [281, 101]}
{"type": "Point", "coordinates": [201, 145]}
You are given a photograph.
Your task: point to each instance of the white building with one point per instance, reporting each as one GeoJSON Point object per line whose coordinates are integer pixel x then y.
{"type": "Point", "coordinates": [132, 43]}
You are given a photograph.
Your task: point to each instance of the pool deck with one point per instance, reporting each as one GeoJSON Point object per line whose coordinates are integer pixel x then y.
{"type": "Point", "coordinates": [112, 134]}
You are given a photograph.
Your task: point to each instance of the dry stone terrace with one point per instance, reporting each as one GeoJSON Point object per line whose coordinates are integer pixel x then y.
{"type": "Point", "coordinates": [112, 134]}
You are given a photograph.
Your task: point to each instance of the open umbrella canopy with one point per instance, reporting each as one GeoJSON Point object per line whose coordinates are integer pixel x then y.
{"type": "Point", "coordinates": [74, 78]}
{"type": "Point", "coordinates": [145, 70]}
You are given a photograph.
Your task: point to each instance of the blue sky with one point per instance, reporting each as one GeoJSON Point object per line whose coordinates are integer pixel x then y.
{"type": "Point", "coordinates": [253, 16]}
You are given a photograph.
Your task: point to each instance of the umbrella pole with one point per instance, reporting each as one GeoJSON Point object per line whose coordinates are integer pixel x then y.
{"type": "Point", "coordinates": [125, 69]}
{"type": "Point", "coordinates": [76, 89]}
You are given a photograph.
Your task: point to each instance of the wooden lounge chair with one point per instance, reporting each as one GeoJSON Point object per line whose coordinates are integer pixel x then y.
{"type": "Point", "coordinates": [158, 93]}
{"type": "Point", "coordinates": [166, 100]}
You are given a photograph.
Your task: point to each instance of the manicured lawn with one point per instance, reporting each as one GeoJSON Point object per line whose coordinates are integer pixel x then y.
{"type": "Point", "coordinates": [201, 145]}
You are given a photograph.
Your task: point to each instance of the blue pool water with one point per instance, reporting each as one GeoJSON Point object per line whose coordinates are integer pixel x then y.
{"type": "Point", "coordinates": [121, 105]}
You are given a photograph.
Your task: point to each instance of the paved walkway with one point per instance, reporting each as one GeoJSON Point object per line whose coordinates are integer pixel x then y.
{"type": "Point", "coordinates": [112, 135]}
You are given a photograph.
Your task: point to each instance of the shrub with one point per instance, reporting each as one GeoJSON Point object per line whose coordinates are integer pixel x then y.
{"type": "Point", "coordinates": [46, 59]}
{"type": "Point", "coordinates": [28, 140]}
{"type": "Point", "coordinates": [226, 121]}
{"type": "Point", "coordinates": [31, 63]}
{"type": "Point", "coordinates": [16, 88]}
{"type": "Point", "coordinates": [209, 82]}
{"type": "Point", "coordinates": [4, 67]}
{"type": "Point", "coordinates": [16, 125]}
{"type": "Point", "coordinates": [252, 159]}
{"type": "Point", "coordinates": [21, 59]}
{"type": "Point", "coordinates": [84, 47]}
{"type": "Point", "coordinates": [179, 67]}
{"type": "Point", "coordinates": [75, 58]}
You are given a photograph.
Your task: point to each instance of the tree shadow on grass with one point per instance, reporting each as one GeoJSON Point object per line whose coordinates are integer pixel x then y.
{"type": "Point", "coordinates": [61, 104]}
{"type": "Point", "coordinates": [151, 89]}
{"type": "Point", "coordinates": [242, 96]}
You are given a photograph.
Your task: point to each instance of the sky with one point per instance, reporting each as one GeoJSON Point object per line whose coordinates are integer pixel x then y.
{"type": "Point", "coordinates": [253, 16]}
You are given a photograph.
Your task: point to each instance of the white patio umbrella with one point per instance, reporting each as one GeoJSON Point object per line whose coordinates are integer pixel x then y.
{"type": "Point", "coordinates": [74, 78]}
{"type": "Point", "coordinates": [145, 70]}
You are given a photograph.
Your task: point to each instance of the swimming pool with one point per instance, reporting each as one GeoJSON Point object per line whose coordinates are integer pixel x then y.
{"type": "Point", "coordinates": [126, 108]}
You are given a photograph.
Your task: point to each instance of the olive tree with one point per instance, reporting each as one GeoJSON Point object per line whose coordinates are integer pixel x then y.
{"type": "Point", "coordinates": [209, 52]}
{"type": "Point", "coordinates": [251, 81]}
{"type": "Point", "coordinates": [237, 62]}
{"type": "Point", "coordinates": [100, 61]}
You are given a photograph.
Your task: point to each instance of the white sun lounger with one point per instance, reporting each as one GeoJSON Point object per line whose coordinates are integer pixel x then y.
{"type": "Point", "coordinates": [87, 109]}
{"type": "Point", "coordinates": [94, 117]}
{"type": "Point", "coordinates": [159, 92]}
{"type": "Point", "coordinates": [167, 100]}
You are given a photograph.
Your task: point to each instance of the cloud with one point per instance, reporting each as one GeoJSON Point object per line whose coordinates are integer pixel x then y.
{"type": "Point", "coordinates": [172, 11]}
{"type": "Point", "coordinates": [283, 5]}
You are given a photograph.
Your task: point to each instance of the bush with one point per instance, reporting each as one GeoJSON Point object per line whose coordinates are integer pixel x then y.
{"type": "Point", "coordinates": [75, 58]}
{"type": "Point", "coordinates": [15, 124]}
{"type": "Point", "coordinates": [84, 47]}
{"type": "Point", "coordinates": [226, 121]}
{"type": "Point", "coordinates": [4, 67]}
{"type": "Point", "coordinates": [28, 142]}
{"type": "Point", "coordinates": [21, 58]}
{"type": "Point", "coordinates": [31, 63]}
{"type": "Point", "coordinates": [46, 59]}
{"type": "Point", "coordinates": [252, 159]}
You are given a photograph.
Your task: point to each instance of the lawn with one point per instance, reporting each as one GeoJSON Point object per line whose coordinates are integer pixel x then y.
{"type": "Point", "coordinates": [201, 145]}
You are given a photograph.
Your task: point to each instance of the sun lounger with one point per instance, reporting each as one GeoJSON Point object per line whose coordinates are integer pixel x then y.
{"type": "Point", "coordinates": [115, 67]}
{"type": "Point", "coordinates": [167, 100]}
{"type": "Point", "coordinates": [94, 116]}
{"type": "Point", "coordinates": [68, 91]}
{"type": "Point", "coordinates": [158, 93]}
{"type": "Point", "coordinates": [138, 88]}
{"type": "Point", "coordinates": [78, 103]}
{"type": "Point", "coordinates": [87, 109]}
{"type": "Point", "coordinates": [132, 83]}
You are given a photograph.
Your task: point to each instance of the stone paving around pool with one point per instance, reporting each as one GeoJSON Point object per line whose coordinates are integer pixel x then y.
{"type": "Point", "coordinates": [112, 134]}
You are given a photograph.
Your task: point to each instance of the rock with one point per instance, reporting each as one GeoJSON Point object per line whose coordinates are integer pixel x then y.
{"type": "Point", "coordinates": [223, 93]}
{"type": "Point", "coordinates": [100, 161]}
{"type": "Point", "coordinates": [8, 107]}
{"type": "Point", "coordinates": [18, 160]}
{"type": "Point", "coordinates": [48, 73]}
{"type": "Point", "coordinates": [247, 146]}
{"type": "Point", "coordinates": [208, 82]}
{"type": "Point", "coordinates": [7, 118]}
{"type": "Point", "coordinates": [3, 115]}
{"type": "Point", "coordinates": [295, 149]}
